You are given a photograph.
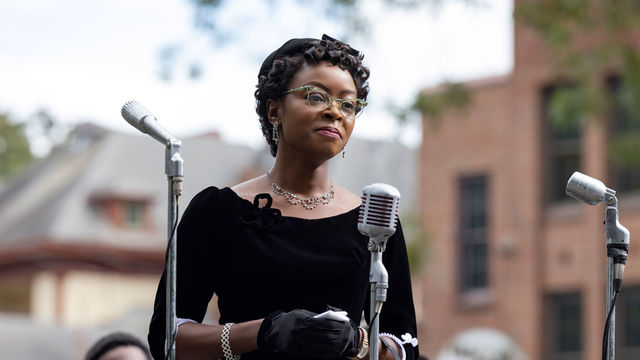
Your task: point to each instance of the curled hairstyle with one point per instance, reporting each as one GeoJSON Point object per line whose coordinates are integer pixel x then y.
{"type": "Point", "coordinates": [113, 341]}
{"type": "Point", "coordinates": [280, 67]}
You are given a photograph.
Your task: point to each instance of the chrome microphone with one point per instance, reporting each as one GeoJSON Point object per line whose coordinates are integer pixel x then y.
{"type": "Point", "coordinates": [378, 213]}
{"type": "Point", "coordinates": [587, 189]}
{"type": "Point", "coordinates": [593, 191]}
{"type": "Point", "coordinates": [142, 119]}
{"type": "Point", "coordinates": [377, 220]}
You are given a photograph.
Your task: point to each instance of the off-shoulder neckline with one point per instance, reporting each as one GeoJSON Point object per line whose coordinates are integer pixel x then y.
{"type": "Point", "coordinates": [295, 218]}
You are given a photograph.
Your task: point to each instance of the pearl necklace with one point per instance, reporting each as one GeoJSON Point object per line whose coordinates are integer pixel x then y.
{"type": "Point", "coordinates": [307, 203]}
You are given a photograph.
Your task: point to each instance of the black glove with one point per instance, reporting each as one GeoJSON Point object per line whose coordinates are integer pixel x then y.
{"type": "Point", "coordinates": [330, 339]}
{"type": "Point", "coordinates": [278, 331]}
{"type": "Point", "coordinates": [299, 333]}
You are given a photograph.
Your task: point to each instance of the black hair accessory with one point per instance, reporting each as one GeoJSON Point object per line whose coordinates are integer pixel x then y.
{"type": "Point", "coordinates": [297, 46]}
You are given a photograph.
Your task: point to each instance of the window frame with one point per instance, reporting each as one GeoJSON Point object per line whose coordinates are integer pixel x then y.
{"type": "Point", "coordinates": [624, 350]}
{"type": "Point", "coordinates": [553, 349]}
{"type": "Point", "coordinates": [556, 149]}
{"type": "Point", "coordinates": [472, 239]}
{"type": "Point", "coordinates": [624, 179]}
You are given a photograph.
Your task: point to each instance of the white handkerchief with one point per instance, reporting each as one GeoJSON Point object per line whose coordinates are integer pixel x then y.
{"type": "Point", "coordinates": [335, 315]}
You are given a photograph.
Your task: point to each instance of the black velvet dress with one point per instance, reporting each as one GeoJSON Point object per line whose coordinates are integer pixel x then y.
{"type": "Point", "coordinates": [258, 261]}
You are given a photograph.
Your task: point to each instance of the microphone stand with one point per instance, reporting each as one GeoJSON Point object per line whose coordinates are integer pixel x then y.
{"type": "Point", "coordinates": [617, 253]}
{"type": "Point", "coordinates": [174, 171]}
{"type": "Point", "coordinates": [379, 282]}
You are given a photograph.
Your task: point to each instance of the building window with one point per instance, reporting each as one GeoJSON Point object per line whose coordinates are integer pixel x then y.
{"type": "Point", "coordinates": [473, 234]}
{"type": "Point", "coordinates": [562, 134]}
{"type": "Point", "coordinates": [133, 214]}
{"type": "Point", "coordinates": [625, 124]}
{"type": "Point", "coordinates": [123, 212]}
{"type": "Point", "coordinates": [628, 323]}
{"type": "Point", "coordinates": [564, 326]}
{"type": "Point", "coordinates": [15, 295]}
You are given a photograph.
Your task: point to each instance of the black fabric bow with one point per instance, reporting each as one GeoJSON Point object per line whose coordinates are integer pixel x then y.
{"type": "Point", "coordinates": [260, 217]}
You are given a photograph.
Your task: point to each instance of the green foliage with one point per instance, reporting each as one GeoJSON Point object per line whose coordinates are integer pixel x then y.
{"type": "Point", "coordinates": [625, 150]}
{"type": "Point", "coordinates": [435, 104]}
{"type": "Point", "coordinates": [348, 16]}
{"type": "Point", "coordinates": [587, 40]}
{"type": "Point", "coordinates": [417, 241]}
{"type": "Point", "coordinates": [344, 11]}
{"type": "Point", "coordinates": [629, 98]}
{"type": "Point", "coordinates": [14, 146]}
{"type": "Point", "coordinates": [569, 105]}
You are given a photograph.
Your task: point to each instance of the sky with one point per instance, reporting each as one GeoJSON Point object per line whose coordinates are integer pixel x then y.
{"type": "Point", "coordinates": [82, 60]}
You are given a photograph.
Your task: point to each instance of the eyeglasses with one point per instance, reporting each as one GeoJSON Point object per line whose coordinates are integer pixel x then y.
{"type": "Point", "coordinates": [321, 100]}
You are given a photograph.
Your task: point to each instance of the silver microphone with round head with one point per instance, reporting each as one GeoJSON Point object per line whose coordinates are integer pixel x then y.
{"type": "Point", "coordinates": [593, 191]}
{"type": "Point", "coordinates": [142, 119]}
{"type": "Point", "coordinates": [379, 210]}
{"type": "Point", "coordinates": [587, 189]}
{"type": "Point", "coordinates": [377, 220]}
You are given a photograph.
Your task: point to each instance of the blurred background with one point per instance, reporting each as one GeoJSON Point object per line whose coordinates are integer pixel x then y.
{"type": "Point", "coordinates": [479, 112]}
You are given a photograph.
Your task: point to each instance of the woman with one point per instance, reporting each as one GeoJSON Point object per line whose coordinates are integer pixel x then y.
{"type": "Point", "coordinates": [282, 247]}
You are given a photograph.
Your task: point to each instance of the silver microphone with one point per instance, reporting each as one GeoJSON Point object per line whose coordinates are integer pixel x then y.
{"type": "Point", "coordinates": [593, 191]}
{"type": "Point", "coordinates": [142, 119]}
{"type": "Point", "coordinates": [377, 220]}
{"type": "Point", "coordinates": [587, 189]}
{"type": "Point", "coordinates": [379, 211]}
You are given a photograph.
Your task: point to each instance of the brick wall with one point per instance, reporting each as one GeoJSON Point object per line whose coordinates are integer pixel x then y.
{"type": "Point", "coordinates": [534, 249]}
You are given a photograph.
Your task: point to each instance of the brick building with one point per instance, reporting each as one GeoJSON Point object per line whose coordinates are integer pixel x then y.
{"type": "Point", "coordinates": [510, 252]}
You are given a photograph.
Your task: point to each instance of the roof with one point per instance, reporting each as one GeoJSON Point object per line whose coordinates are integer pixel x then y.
{"type": "Point", "coordinates": [475, 84]}
{"type": "Point", "coordinates": [52, 202]}
{"type": "Point", "coordinates": [57, 201]}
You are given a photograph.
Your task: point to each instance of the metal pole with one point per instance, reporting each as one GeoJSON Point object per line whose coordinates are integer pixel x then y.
{"type": "Point", "coordinates": [617, 250]}
{"type": "Point", "coordinates": [593, 191]}
{"type": "Point", "coordinates": [170, 291]}
{"type": "Point", "coordinates": [612, 324]}
{"type": "Point", "coordinates": [174, 171]}
{"type": "Point", "coordinates": [379, 280]}
{"type": "Point", "coordinates": [374, 326]}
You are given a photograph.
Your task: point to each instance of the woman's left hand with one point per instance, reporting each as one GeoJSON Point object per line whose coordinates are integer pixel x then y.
{"type": "Point", "coordinates": [329, 338]}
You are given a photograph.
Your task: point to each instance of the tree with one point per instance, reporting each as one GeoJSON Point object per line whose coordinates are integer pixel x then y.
{"type": "Point", "coordinates": [45, 132]}
{"type": "Point", "coordinates": [21, 141]}
{"type": "Point", "coordinates": [14, 146]}
{"type": "Point", "coordinates": [417, 241]}
{"type": "Point", "coordinates": [432, 105]}
{"type": "Point", "coordinates": [594, 50]}
{"type": "Point", "coordinates": [350, 20]}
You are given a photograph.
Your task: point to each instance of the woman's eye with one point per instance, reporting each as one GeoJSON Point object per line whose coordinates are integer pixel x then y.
{"type": "Point", "coordinates": [315, 97]}
{"type": "Point", "coordinates": [349, 105]}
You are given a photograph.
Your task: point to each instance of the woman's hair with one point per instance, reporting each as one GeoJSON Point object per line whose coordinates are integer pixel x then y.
{"type": "Point", "coordinates": [112, 341]}
{"type": "Point", "coordinates": [280, 67]}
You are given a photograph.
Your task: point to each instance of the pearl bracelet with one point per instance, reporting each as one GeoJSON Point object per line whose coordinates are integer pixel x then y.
{"type": "Point", "coordinates": [226, 348]}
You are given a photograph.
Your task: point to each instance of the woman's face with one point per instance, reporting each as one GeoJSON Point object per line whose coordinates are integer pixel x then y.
{"type": "Point", "coordinates": [323, 133]}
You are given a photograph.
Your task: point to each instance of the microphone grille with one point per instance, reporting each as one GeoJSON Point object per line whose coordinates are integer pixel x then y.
{"type": "Point", "coordinates": [134, 112]}
{"type": "Point", "coordinates": [379, 210]}
{"type": "Point", "coordinates": [125, 108]}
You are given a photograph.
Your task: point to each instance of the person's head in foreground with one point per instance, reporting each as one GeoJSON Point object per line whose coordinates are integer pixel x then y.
{"type": "Point", "coordinates": [118, 346]}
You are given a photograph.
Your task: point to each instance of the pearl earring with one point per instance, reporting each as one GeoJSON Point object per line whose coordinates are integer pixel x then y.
{"type": "Point", "coordinates": [274, 132]}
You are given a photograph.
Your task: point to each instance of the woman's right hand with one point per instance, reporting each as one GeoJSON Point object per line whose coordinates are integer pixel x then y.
{"type": "Point", "coordinates": [299, 333]}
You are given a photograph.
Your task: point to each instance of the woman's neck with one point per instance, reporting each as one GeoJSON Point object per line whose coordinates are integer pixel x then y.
{"type": "Point", "coordinates": [299, 176]}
